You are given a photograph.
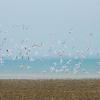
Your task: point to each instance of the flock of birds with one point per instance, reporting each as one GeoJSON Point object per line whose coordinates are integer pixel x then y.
{"type": "Point", "coordinates": [27, 51]}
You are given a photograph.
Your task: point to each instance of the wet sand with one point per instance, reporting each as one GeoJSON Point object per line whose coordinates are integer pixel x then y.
{"type": "Point", "coordinates": [50, 89]}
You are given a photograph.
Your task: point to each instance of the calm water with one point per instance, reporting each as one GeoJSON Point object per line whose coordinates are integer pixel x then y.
{"type": "Point", "coordinates": [52, 66]}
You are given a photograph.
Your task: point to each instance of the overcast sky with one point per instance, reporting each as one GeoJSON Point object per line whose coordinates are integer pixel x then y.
{"type": "Point", "coordinates": [52, 19]}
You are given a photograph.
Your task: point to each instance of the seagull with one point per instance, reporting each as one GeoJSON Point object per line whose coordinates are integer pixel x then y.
{"type": "Point", "coordinates": [37, 45]}
{"type": "Point", "coordinates": [60, 53]}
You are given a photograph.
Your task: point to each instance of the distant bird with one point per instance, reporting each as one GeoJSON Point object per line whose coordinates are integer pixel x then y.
{"type": "Point", "coordinates": [37, 45]}
{"type": "Point", "coordinates": [60, 52]}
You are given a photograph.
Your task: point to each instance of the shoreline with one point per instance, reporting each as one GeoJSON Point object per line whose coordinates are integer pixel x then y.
{"type": "Point", "coordinates": [44, 76]}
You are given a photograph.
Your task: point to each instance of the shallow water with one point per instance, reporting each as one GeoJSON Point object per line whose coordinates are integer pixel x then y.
{"type": "Point", "coordinates": [51, 66]}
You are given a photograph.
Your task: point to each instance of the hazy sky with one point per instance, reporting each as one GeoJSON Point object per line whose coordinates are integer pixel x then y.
{"type": "Point", "coordinates": [52, 19]}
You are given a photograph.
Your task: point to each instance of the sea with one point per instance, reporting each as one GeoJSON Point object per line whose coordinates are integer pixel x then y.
{"type": "Point", "coordinates": [50, 68]}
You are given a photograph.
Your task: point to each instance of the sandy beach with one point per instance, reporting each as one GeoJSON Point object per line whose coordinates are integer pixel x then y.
{"type": "Point", "coordinates": [50, 89]}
